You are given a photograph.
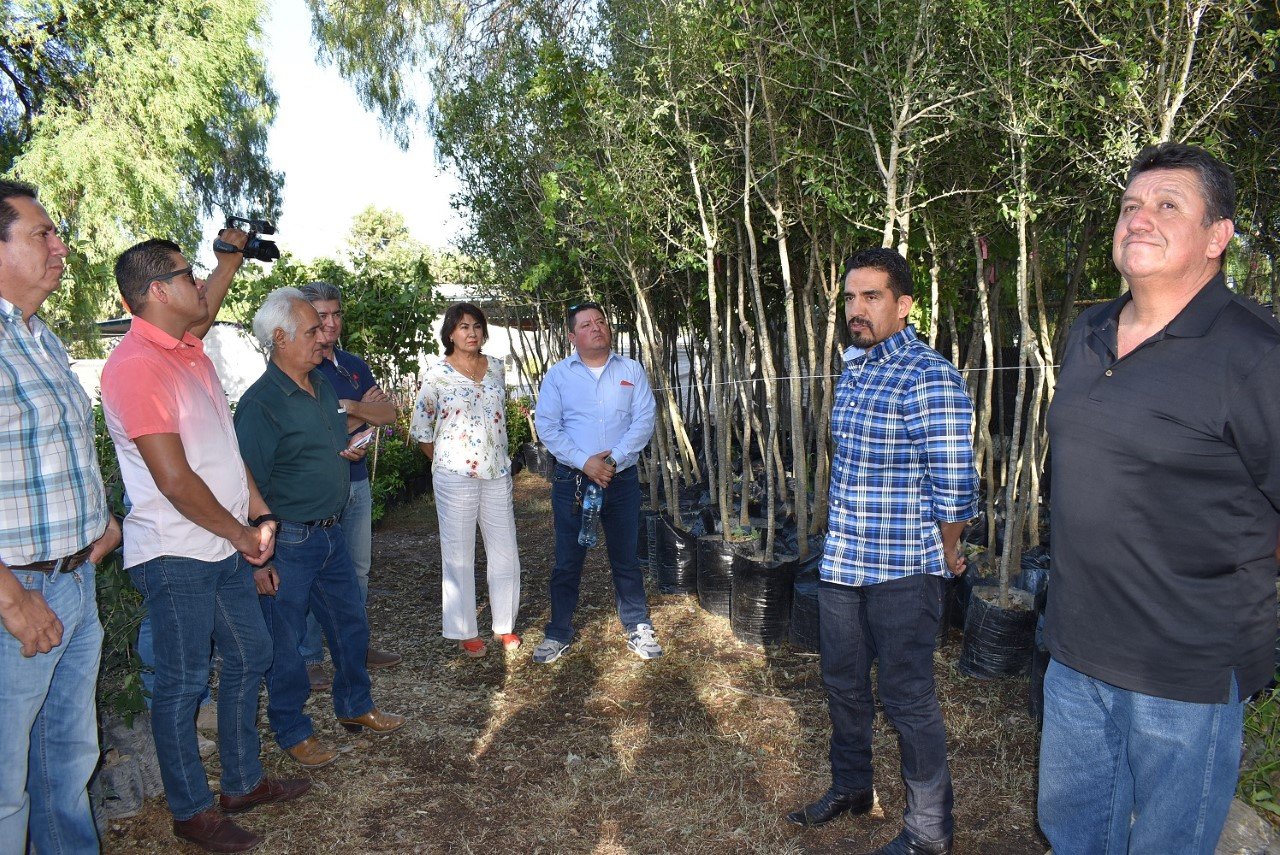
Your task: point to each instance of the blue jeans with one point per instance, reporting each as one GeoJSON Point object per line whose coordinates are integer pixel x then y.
{"type": "Point", "coordinates": [618, 519]}
{"type": "Point", "coordinates": [194, 605]}
{"type": "Point", "coordinates": [357, 527]}
{"type": "Point", "coordinates": [316, 573]}
{"type": "Point", "coordinates": [49, 724]}
{"type": "Point", "coordinates": [895, 622]}
{"type": "Point", "coordinates": [146, 648]}
{"type": "Point", "coordinates": [1123, 772]}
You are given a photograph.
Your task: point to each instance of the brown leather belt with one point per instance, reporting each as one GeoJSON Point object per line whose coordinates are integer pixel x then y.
{"type": "Point", "coordinates": [59, 565]}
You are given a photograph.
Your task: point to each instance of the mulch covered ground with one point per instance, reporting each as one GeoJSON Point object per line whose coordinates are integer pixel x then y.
{"type": "Point", "coordinates": [702, 751]}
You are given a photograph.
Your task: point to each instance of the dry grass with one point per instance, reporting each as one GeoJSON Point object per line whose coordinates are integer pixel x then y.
{"type": "Point", "coordinates": [702, 751]}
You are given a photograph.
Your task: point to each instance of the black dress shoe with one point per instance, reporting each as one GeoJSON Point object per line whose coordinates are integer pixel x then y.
{"type": "Point", "coordinates": [831, 805]}
{"type": "Point", "coordinates": [905, 844]}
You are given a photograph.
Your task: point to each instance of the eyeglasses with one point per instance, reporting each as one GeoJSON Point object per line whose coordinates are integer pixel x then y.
{"type": "Point", "coordinates": [174, 274]}
{"type": "Point", "coordinates": [344, 372]}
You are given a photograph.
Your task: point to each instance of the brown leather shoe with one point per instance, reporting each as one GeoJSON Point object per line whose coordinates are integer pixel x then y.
{"type": "Point", "coordinates": [375, 720]}
{"type": "Point", "coordinates": [381, 658]}
{"type": "Point", "coordinates": [269, 790]}
{"type": "Point", "coordinates": [214, 832]}
{"type": "Point", "coordinates": [320, 679]}
{"type": "Point", "coordinates": [311, 753]}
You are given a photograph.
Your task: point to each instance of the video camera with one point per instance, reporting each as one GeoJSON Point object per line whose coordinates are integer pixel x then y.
{"type": "Point", "coordinates": [255, 248]}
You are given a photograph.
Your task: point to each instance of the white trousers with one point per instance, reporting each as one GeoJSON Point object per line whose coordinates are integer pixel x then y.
{"type": "Point", "coordinates": [461, 502]}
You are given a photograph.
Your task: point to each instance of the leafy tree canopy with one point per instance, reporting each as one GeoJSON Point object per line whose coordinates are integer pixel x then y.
{"type": "Point", "coordinates": [388, 303]}
{"type": "Point", "coordinates": [133, 120]}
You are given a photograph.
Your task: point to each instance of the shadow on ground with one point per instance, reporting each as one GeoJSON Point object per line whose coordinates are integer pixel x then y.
{"type": "Point", "coordinates": [702, 751]}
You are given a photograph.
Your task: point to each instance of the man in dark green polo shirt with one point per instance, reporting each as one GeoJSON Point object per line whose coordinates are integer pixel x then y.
{"type": "Point", "coordinates": [293, 437]}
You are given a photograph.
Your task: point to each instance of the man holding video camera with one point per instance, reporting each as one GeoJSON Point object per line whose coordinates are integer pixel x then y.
{"type": "Point", "coordinates": [189, 546]}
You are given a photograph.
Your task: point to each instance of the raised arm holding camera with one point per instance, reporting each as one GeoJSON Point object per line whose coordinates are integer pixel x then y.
{"type": "Point", "coordinates": [191, 548]}
{"type": "Point", "coordinates": [218, 282]}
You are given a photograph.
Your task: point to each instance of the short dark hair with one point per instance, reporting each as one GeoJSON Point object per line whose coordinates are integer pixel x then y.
{"type": "Point", "coordinates": [8, 213]}
{"type": "Point", "coordinates": [571, 315]}
{"type": "Point", "coordinates": [453, 316]}
{"type": "Point", "coordinates": [139, 265]}
{"type": "Point", "coordinates": [321, 292]}
{"type": "Point", "coordinates": [888, 260]}
{"type": "Point", "coordinates": [1217, 184]}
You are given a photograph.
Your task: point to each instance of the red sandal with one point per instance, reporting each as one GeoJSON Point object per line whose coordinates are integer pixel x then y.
{"type": "Point", "coordinates": [508, 640]}
{"type": "Point", "coordinates": [473, 647]}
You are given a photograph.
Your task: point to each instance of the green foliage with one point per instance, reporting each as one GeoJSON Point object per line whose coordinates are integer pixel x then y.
{"type": "Point", "coordinates": [519, 412]}
{"type": "Point", "coordinates": [388, 302]}
{"type": "Point", "coordinates": [133, 119]}
{"type": "Point", "coordinates": [1260, 769]}
{"type": "Point", "coordinates": [121, 611]}
{"type": "Point", "coordinates": [621, 149]}
{"type": "Point", "coordinates": [388, 306]}
{"type": "Point", "coordinates": [379, 50]}
{"type": "Point", "coordinates": [397, 467]}
{"type": "Point", "coordinates": [119, 603]}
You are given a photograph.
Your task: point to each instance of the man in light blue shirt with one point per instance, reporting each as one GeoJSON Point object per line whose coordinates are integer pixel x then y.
{"type": "Point", "coordinates": [595, 414]}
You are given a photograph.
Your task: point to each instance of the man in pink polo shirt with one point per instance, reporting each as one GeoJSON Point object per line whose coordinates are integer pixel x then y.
{"type": "Point", "coordinates": [197, 538]}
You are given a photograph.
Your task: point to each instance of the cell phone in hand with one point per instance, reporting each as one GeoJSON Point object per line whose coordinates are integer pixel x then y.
{"type": "Point", "coordinates": [362, 441]}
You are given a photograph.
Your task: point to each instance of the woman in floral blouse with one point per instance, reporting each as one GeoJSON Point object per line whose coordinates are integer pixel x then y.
{"type": "Point", "coordinates": [460, 423]}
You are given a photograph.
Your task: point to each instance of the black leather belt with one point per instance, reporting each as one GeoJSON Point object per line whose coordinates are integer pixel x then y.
{"type": "Point", "coordinates": [324, 523]}
{"type": "Point", "coordinates": [59, 565]}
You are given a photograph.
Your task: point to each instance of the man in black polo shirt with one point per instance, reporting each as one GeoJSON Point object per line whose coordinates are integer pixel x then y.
{"type": "Point", "coordinates": [293, 437]}
{"type": "Point", "coordinates": [1161, 615]}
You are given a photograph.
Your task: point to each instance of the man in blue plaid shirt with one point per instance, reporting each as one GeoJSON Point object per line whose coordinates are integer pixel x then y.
{"type": "Point", "coordinates": [54, 527]}
{"type": "Point", "coordinates": [903, 485]}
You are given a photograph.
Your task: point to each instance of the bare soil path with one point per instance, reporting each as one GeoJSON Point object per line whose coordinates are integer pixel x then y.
{"type": "Point", "coordinates": [701, 751]}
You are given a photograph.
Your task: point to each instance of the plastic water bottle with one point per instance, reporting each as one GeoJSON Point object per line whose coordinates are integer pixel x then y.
{"type": "Point", "coordinates": [592, 500]}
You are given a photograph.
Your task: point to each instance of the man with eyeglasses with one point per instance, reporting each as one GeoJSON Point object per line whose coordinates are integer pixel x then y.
{"type": "Point", "coordinates": [595, 414]}
{"type": "Point", "coordinates": [189, 546]}
{"type": "Point", "coordinates": [54, 528]}
{"type": "Point", "coordinates": [365, 404]}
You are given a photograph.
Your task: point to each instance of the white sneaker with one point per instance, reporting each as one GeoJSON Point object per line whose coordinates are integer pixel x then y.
{"type": "Point", "coordinates": [548, 651]}
{"type": "Point", "coordinates": [642, 643]}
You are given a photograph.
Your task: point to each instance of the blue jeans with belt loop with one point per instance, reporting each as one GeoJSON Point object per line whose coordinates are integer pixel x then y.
{"type": "Point", "coordinates": [618, 518]}
{"type": "Point", "coordinates": [315, 572]}
{"type": "Point", "coordinates": [49, 723]}
{"type": "Point", "coordinates": [193, 605]}
{"type": "Point", "coordinates": [357, 527]}
{"type": "Point", "coordinates": [1123, 772]}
